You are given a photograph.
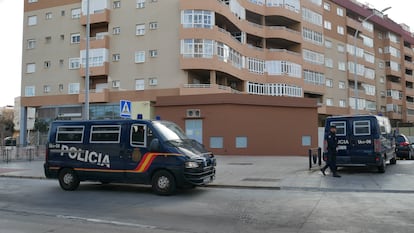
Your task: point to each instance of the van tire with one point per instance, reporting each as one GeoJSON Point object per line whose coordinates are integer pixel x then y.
{"type": "Point", "coordinates": [68, 179]}
{"type": "Point", "coordinates": [163, 183]}
{"type": "Point", "coordinates": [381, 167]}
{"type": "Point", "coordinates": [393, 160]}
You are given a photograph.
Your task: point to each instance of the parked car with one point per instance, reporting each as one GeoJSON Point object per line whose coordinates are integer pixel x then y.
{"type": "Point", "coordinates": [404, 146]}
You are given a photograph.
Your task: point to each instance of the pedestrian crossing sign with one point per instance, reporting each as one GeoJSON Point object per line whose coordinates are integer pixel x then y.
{"type": "Point", "coordinates": [125, 109]}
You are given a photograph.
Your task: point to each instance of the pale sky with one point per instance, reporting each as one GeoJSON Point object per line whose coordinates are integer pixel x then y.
{"type": "Point", "coordinates": [11, 24]}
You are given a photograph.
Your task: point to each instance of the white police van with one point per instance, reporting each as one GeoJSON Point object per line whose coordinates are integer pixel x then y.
{"type": "Point", "coordinates": [363, 140]}
{"type": "Point", "coordinates": [156, 153]}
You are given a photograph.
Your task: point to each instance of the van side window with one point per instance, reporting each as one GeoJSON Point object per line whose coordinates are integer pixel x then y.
{"type": "Point", "coordinates": [362, 128]}
{"type": "Point", "coordinates": [340, 127]}
{"type": "Point", "coordinates": [105, 133]}
{"type": "Point", "coordinates": [72, 134]}
{"type": "Point", "coordinates": [138, 137]}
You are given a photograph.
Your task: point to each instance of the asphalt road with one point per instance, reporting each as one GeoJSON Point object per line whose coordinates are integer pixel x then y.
{"type": "Point", "coordinates": [38, 206]}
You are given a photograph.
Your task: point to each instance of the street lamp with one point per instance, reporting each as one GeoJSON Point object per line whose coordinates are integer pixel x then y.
{"type": "Point", "coordinates": [88, 29]}
{"type": "Point", "coordinates": [356, 60]}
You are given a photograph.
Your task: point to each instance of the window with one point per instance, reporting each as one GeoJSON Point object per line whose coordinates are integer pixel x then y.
{"type": "Point", "coordinates": [216, 142]}
{"type": "Point", "coordinates": [312, 36]}
{"type": "Point", "coordinates": [341, 85]}
{"type": "Point", "coordinates": [139, 84]}
{"type": "Point", "coordinates": [153, 25]}
{"type": "Point", "coordinates": [311, 16]}
{"type": "Point", "coordinates": [31, 43]}
{"type": "Point", "coordinates": [197, 19]}
{"type": "Point", "coordinates": [29, 91]}
{"type": "Point", "coordinates": [340, 11]}
{"type": "Point", "coordinates": [198, 48]}
{"type": "Point", "coordinates": [342, 103]}
{"type": "Point", "coordinates": [76, 13]}
{"type": "Point", "coordinates": [116, 83]}
{"type": "Point", "coordinates": [62, 13]}
{"type": "Point", "coordinates": [72, 134]}
{"type": "Point", "coordinates": [32, 20]}
{"type": "Point", "coordinates": [329, 82]}
{"type": "Point", "coordinates": [341, 66]}
{"type": "Point", "coordinates": [340, 127]}
{"type": "Point", "coordinates": [153, 53]}
{"type": "Point", "coordinates": [73, 88]}
{"type": "Point", "coordinates": [105, 133]}
{"type": "Point", "coordinates": [256, 65]}
{"type": "Point", "coordinates": [327, 25]}
{"type": "Point", "coordinates": [152, 81]}
{"type": "Point", "coordinates": [48, 39]}
{"type": "Point", "coordinates": [341, 48]}
{"type": "Point", "coordinates": [46, 88]}
{"type": "Point", "coordinates": [314, 78]}
{"type": "Point", "coordinates": [116, 4]}
{"type": "Point", "coordinates": [140, 4]}
{"type": "Point", "coordinates": [75, 38]}
{"type": "Point", "coordinates": [326, 6]}
{"type": "Point", "coordinates": [313, 57]}
{"type": "Point", "coordinates": [116, 30]}
{"type": "Point", "coordinates": [140, 29]}
{"type": "Point", "coordinates": [116, 57]}
{"type": "Point", "coordinates": [46, 64]}
{"type": "Point", "coordinates": [31, 1]}
{"type": "Point", "coordinates": [48, 15]}
{"type": "Point", "coordinates": [340, 30]}
{"type": "Point", "coordinates": [140, 57]}
{"type": "Point", "coordinates": [328, 44]}
{"type": "Point", "coordinates": [329, 62]}
{"type": "Point", "coordinates": [30, 68]}
{"type": "Point", "coordinates": [329, 102]}
{"type": "Point", "coordinates": [362, 128]}
{"type": "Point", "coordinates": [138, 135]}
{"type": "Point", "coordinates": [74, 63]}
{"type": "Point", "coordinates": [241, 142]}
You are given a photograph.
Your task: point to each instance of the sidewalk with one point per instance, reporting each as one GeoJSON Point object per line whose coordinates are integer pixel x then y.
{"type": "Point", "coordinates": [269, 172]}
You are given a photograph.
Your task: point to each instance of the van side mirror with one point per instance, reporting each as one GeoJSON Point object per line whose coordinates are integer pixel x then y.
{"type": "Point", "coordinates": [154, 145]}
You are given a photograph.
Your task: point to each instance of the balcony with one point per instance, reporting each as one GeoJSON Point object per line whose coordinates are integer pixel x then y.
{"type": "Point", "coordinates": [96, 43]}
{"type": "Point", "coordinates": [283, 33]}
{"type": "Point", "coordinates": [102, 70]}
{"type": "Point", "coordinates": [101, 16]}
{"type": "Point", "coordinates": [101, 96]}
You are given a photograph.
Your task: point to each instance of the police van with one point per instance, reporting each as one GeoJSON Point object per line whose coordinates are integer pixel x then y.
{"type": "Point", "coordinates": [363, 140]}
{"type": "Point", "coordinates": [150, 152]}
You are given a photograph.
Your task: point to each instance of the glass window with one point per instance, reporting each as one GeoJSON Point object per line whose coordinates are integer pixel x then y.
{"type": "Point", "coordinates": [140, 3]}
{"type": "Point", "coordinates": [30, 68]}
{"type": "Point", "coordinates": [73, 134]}
{"type": "Point", "coordinates": [241, 142]}
{"type": "Point", "coordinates": [32, 20]}
{"type": "Point", "coordinates": [216, 142]}
{"type": "Point", "coordinates": [29, 91]}
{"type": "Point", "coordinates": [76, 13]}
{"type": "Point", "coordinates": [105, 133]}
{"type": "Point", "coordinates": [340, 127]}
{"type": "Point", "coordinates": [140, 57]}
{"type": "Point", "coordinates": [75, 38]}
{"type": "Point", "coordinates": [138, 135]}
{"type": "Point", "coordinates": [362, 128]}
{"type": "Point", "coordinates": [140, 29]}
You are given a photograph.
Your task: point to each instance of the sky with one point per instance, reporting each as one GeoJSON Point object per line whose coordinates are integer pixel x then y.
{"type": "Point", "coordinates": [11, 24]}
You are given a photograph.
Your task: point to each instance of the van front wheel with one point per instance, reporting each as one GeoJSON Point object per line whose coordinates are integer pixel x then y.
{"type": "Point", "coordinates": [163, 183]}
{"type": "Point", "coordinates": [68, 180]}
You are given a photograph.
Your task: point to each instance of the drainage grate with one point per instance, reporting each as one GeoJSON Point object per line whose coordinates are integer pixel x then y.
{"type": "Point", "coordinates": [261, 179]}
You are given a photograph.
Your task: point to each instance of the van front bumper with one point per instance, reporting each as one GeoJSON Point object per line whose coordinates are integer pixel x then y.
{"type": "Point", "coordinates": [200, 176]}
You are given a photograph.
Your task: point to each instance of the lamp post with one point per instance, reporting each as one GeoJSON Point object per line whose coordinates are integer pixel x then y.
{"type": "Point", "coordinates": [356, 96]}
{"type": "Point", "coordinates": [88, 29]}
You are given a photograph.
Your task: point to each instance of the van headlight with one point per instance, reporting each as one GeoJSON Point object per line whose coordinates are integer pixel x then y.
{"type": "Point", "coordinates": [191, 164]}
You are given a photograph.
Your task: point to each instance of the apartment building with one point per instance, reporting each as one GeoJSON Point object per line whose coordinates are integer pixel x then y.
{"type": "Point", "coordinates": [142, 49]}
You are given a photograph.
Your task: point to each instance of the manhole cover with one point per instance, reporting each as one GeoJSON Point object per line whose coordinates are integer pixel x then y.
{"type": "Point", "coordinates": [261, 179]}
{"type": "Point", "coordinates": [240, 163]}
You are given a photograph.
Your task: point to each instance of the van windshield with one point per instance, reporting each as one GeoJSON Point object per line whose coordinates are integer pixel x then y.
{"type": "Point", "coordinates": [170, 131]}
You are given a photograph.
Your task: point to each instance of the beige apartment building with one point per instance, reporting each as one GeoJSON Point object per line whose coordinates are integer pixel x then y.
{"type": "Point", "coordinates": [143, 49]}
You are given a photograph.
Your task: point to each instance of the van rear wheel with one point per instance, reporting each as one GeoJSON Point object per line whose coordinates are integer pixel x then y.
{"type": "Point", "coordinates": [163, 183]}
{"type": "Point", "coordinates": [381, 167]}
{"type": "Point", "coordinates": [68, 179]}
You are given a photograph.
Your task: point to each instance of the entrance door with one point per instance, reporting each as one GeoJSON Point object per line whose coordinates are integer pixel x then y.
{"type": "Point", "coordinates": [194, 129]}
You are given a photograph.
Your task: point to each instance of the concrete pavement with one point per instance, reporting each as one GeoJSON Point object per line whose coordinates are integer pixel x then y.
{"type": "Point", "coordinates": [273, 172]}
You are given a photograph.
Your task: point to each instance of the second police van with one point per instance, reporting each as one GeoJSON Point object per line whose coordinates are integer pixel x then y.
{"type": "Point", "coordinates": [363, 140]}
{"type": "Point", "coordinates": [156, 153]}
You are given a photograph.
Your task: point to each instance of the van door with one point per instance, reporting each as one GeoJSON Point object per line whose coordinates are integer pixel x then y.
{"type": "Point", "coordinates": [135, 151]}
{"type": "Point", "coordinates": [343, 136]}
{"type": "Point", "coordinates": [362, 141]}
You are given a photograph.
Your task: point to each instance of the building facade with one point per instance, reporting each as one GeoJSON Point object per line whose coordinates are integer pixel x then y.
{"type": "Point", "coordinates": [143, 49]}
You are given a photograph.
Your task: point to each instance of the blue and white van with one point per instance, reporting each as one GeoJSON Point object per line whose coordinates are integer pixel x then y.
{"type": "Point", "coordinates": [155, 153]}
{"type": "Point", "coordinates": [363, 140]}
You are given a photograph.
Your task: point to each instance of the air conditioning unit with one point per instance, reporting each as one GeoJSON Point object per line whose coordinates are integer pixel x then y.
{"type": "Point", "coordinates": [193, 113]}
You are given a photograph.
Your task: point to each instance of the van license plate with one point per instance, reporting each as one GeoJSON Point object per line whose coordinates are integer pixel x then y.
{"type": "Point", "coordinates": [342, 147]}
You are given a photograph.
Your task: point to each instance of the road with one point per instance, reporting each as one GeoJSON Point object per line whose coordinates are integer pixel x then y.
{"type": "Point", "coordinates": [38, 206]}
